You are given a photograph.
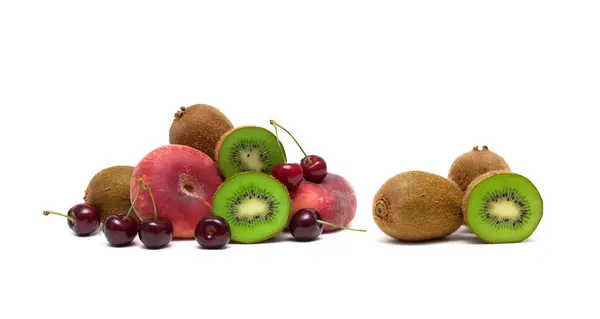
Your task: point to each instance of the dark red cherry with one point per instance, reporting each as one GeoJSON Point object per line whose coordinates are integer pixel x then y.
{"type": "Point", "coordinates": [156, 233]}
{"type": "Point", "coordinates": [213, 232]}
{"type": "Point", "coordinates": [120, 230]}
{"type": "Point", "coordinates": [289, 174]}
{"type": "Point", "coordinates": [314, 168]}
{"type": "Point", "coordinates": [83, 219]}
{"type": "Point", "coordinates": [304, 225]}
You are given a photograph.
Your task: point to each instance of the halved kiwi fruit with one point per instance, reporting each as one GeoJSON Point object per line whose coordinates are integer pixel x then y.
{"type": "Point", "coordinates": [246, 149]}
{"type": "Point", "coordinates": [255, 205]}
{"type": "Point", "coordinates": [502, 207]}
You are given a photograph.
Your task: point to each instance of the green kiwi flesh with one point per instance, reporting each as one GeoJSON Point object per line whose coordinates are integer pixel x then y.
{"type": "Point", "coordinates": [255, 205]}
{"type": "Point", "coordinates": [503, 207]}
{"type": "Point", "coordinates": [248, 148]}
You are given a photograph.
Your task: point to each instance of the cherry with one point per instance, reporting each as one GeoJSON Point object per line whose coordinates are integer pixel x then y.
{"type": "Point", "coordinates": [120, 229]}
{"type": "Point", "coordinates": [314, 167]}
{"type": "Point", "coordinates": [158, 232]}
{"type": "Point", "coordinates": [83, 219]}
{"type": "Point", "coordinates": [304, 225]}
{"type": "Point", "coordinates": [289, 174]}
{"type": "Point", "coordinates": [213, 232]}
{"type": "Point", "coordinates": [307, 225]}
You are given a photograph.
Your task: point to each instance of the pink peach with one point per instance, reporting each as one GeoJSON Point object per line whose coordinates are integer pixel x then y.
{"type": "Point", "coordinates": [334, 198]}
{"type": "Point", "coordinates": [182, 180]}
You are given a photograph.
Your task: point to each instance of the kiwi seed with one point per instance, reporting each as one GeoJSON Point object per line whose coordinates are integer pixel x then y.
{"type": "Point", "coordinates": [199, 126]}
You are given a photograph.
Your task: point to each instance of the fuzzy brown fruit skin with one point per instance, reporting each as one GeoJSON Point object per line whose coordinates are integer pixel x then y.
{"type": "Point", "coordinates": [108, 191]}
{"type": "Point", "coordinates": [199, 126]}
{"type": "Point", "coordinates": [470, 165]}
{"type": "Point", "coordinates": [418, 206]}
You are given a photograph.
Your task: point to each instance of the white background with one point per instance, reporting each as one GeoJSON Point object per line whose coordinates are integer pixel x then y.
{"type": "Point", "coordinates": [376, 88]}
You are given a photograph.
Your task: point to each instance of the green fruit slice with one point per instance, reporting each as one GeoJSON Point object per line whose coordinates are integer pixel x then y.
{"type": "Point", "coordinates": [246, 149]}
{"type": "Point", "coordinates": [255, 205]}
{"type": "Point", "coordinates": [503, 207]}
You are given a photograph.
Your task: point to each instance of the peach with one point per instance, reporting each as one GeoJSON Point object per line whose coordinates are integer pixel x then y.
{"type": "Point", "coordinates": [334, 198]}
{"type": "Point", "coordinates": [182, 180]}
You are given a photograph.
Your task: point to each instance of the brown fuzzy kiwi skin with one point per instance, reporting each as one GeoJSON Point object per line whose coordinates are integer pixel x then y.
{"type": "Point", "coordinates": [108, 191]}
{"type": "Point", "coordinates": [470, 165]}
{"type": "Point", "coordinates": [273, 178]}
{"type": "Point", "coordinates": [199, 126]}
{"type": "Point", "coordinates": [418, 206]}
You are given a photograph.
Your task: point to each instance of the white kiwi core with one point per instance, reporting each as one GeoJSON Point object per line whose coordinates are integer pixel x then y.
{"type": "Point", "coordinates": [505, 209]}
{"type": "Point", "coordinates": [251, 159]}
{"type": "Point", "coordinates": [252, 207]}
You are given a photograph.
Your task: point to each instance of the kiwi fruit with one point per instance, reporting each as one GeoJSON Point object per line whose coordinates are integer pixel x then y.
{"type": "Point", "coordinates": [418, 206]}
{"type": "Point", "coordinates": [470, 165]}
{"type": "Point", "coordinates": [255, 205]}
{"type": "Point", "coordinates": [248, 149]}
{"type": "Point", "coordinates": [108, 191]}
{"type": "Point", "coordinates": [199, 126]}
{"type": "Point", "coordinates": [502, 207]}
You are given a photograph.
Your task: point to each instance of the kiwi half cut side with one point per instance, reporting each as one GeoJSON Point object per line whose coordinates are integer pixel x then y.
{"type": "Point", "coordinates": [248, 149]}
{"type": "Point", "coordinates": [255, 205]}
{"type": "Point", "coordinates": [503, 207]}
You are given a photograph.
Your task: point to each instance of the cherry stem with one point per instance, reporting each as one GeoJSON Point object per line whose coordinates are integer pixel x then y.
{"type": "Point", "coordinates": [137, 193]}
{"type": "Point", "coordinates": [46, 213]}
{"type": "Point", "coordinates": [278, 143]}
{"type": "Point", "coordinates": [146, 187]}
{"type": "Point", "coordinates": [338, 226]}
{"type": "Point", "coordinates": [292, 136]}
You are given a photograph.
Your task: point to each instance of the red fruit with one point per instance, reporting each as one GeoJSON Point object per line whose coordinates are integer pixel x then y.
{"type": "Point", "coordinates": [120, 230]}
{"type": "Point", "coordinates": [307, 224]}
{"type": "Point", "coordinates": [314, 168]}
{"type": "Point", "coordinates": [289, 174]}
{"type": "Point", "coordinates": [183, 181]}
{"type": "Point", "coordinates": [83, 219]}
{"type": "Point", "coordinates": [334, 198]}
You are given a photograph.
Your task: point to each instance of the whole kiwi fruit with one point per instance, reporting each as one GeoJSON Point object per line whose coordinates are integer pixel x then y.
{"type": "Point", "coordinates": [470, 165]}
{"type": "Point", "coordinates": [418, 206]}
{"type": "Point", "coordinates": [199, 126]}
{"type": "Point", "coordinates": [108, 191]}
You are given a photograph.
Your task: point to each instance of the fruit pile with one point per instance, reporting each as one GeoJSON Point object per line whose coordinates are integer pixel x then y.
{"type": "Point", "coordinates": [481, 192]}
{"type": "Point", "coordinates": [215, 183]}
